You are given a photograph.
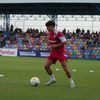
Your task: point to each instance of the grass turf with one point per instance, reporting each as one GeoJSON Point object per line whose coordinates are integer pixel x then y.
{"type": "Point", "coordinates": [17, 72]}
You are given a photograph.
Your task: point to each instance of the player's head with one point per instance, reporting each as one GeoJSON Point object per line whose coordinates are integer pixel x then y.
{"type": "Point", "coordinates": [50, 25]}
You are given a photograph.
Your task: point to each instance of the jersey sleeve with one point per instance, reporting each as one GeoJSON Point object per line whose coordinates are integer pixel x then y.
{"type": "Point", "coordinates": [61, 37]}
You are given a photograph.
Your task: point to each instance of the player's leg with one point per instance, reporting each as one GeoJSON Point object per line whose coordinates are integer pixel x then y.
{"type": "Point", "coordinates": [47, 65]}
{"type": "Point", "coordinates": [68, 73]}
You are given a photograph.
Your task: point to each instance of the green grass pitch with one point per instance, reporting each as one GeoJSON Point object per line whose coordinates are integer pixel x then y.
{"type": "Point", "coordinates": [17, 71]}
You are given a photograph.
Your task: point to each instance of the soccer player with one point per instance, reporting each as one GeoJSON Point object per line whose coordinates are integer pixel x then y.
{"type": "Point", "coordinates": [56, 42]}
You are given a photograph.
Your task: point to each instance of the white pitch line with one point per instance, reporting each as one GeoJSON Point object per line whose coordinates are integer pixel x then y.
{"type": "Point", "coordinates": [74, 70]}
{"type": "Point", "coordinates": [91, 71]}
{"type": "Point", "coordinates": [57, 69]}
{"type": "Point", "coordinates": [1, 75]}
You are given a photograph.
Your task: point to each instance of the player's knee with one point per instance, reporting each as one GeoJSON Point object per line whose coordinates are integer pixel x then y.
{"type": "Point", "coordinates": [46, 67]}
{"type": "Point", "coordinates": [63, 65]}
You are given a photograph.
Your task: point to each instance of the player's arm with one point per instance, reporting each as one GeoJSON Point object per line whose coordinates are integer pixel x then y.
{"type": "Point", "coordinates": [50, 41]}
{"type": "Point", "coordinates": [63, 42]}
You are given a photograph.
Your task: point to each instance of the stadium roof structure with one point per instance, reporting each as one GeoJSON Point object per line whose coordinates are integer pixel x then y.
{"type": "Point", "coordinates": [51, 8]}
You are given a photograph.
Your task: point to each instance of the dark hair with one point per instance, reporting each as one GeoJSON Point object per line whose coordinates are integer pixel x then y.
{"type": "Point", "coordinates": [50, 23]}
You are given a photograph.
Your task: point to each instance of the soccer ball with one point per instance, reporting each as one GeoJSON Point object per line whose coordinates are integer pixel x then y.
{"type": "Point", "coordinates": [35, 81]}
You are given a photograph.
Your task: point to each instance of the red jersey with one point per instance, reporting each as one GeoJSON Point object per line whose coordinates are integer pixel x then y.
{"type": "Point", "coordinates": [56, 38]}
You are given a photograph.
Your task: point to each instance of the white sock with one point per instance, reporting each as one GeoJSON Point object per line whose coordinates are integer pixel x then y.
{"type": "Point", "coordinates": [70, 79]}
{"type": "Point", "coordinates": [72, 84]}
{"type": "Point", "coordinates": [52, 76]}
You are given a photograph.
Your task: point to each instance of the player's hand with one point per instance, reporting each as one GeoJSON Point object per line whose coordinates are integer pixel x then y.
{"type": "Point", "coordinates": [54, 46]}
{"type": "Point", "coordinates": [50, 41]}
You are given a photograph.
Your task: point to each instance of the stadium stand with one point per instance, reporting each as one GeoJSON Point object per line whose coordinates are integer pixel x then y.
{"type": "Point", "coordinates": [80, 44]}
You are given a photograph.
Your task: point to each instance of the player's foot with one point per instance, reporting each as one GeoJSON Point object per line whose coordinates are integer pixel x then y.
{"type": "Point", "coordinates": [51, 81]}
{"type": "Point", "coordinates": [72, 84]}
